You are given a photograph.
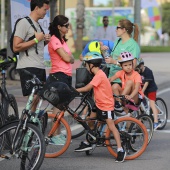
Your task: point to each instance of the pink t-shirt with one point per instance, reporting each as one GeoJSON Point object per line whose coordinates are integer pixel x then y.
{"type": "Point", "coordinates": [102, 92]}
{"type": "Point", "coordinates": [58, 64]}
{"type": "Point", "coordinates": [135, 77]}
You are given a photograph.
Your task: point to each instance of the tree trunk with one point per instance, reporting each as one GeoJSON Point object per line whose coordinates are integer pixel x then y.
{"type": "Point", "coordinates": [80, 24]}
{"type": "Point", "coordinates": [53, 9]}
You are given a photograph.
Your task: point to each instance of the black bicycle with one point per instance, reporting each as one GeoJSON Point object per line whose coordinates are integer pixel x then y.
{"type": "Point", "coordinates": [8, 102]}
{"type": "Point", "coordinates": [22, 144]}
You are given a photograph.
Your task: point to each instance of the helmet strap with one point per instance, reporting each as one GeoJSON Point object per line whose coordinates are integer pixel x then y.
{"type": "Point", "coordinates": [91, 69]}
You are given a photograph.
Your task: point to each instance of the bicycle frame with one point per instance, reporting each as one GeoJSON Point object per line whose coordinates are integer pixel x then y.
{"type": "Point", "coordinates": [147, 108]}
{"type": "Point", "coordinates": [27, 115]}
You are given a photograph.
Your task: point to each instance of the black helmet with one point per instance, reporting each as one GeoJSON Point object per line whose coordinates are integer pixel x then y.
{"type": "Point", "coordinates": [58, 93]}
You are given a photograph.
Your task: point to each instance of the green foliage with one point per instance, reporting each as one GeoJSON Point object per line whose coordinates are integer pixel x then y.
{"type": "Point", "coordinates": [165, 17]}
{"type": "Point", "coordinates": [150, 49]}
{"type": "Point", "coordinates": [76, 54]}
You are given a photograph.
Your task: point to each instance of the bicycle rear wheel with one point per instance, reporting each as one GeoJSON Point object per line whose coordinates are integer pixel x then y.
{"type": "Point", "coordinates": [136, 137]}
{"type": "Point", "coordinates": [163, 112]}
{"type": "Point", "coordinates": [61, 144]}
{"type": "Point", "coordinates": [29, 156]}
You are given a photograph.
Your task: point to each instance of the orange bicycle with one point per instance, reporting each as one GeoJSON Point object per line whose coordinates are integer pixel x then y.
{"type": "Point", "coordinates": [133, 133]}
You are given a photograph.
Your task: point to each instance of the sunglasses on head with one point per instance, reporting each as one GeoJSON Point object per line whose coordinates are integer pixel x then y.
{"type": "Point", "coordinates": [65, 25]}
{"type": "Point", "coordinates": [118, 27]}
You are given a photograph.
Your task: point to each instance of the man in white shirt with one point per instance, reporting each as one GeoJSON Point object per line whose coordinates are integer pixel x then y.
{"type": "Point", "coordinates": [106, 32]}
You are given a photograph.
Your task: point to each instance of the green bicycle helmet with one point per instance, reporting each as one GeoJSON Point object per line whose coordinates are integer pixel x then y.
{"type": "Point", "coordinates": [93, 58]}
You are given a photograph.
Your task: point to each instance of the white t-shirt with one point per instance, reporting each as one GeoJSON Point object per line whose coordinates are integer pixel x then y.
{"type": "Point", "coordinates": [106, 34]}
{"type": "Point", "coordinates": [24, 30]}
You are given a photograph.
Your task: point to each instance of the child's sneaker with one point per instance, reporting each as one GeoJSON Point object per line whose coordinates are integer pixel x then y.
{"type": "Point", "coordinates": [156, 125]}
{"type": "Point", "coordinates": [120, 156]}
{"type": "Point", "coordinates": [118, 106]}
{"type": "Point", "coordinates": [83, 147]}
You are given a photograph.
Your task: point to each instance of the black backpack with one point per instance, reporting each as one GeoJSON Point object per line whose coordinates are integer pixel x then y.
{"type": "Point", "coordinates": [31, 38]}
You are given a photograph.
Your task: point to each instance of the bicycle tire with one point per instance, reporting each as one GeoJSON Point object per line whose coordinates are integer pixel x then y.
{"type": "Point", "coordinates": [11, 108]}
{"type": "Point", "coordinates": [162, 117]}
{"type": "Point", "coordinates": [77, 129]}
{"type": "Point", "coordinates": [111, 144]}
{"type": "Point", "coordinates": [1, 117]}
{"type": "Point", "coordinates": [30, 157]}
{"type": "Point", "coordinates": [13, 73]}
{"type": "Point", "coordinates": [148, 122]}
{"type": "Point", "coordinates": [55, 150]}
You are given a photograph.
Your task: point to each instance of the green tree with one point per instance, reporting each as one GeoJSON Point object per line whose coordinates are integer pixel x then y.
{"type": "Point", "coordinates": [165, 9]}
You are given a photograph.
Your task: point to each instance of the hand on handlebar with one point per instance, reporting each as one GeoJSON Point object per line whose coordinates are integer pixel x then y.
{"type": "Point", "coordinates": [128, 97]}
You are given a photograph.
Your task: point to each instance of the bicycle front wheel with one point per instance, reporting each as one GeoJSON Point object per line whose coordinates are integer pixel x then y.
{"type": "Point", "coordinates": [163, 112]}
{"type": "Point", "coordinates": [148, 122]}
{"type": "Point", "coordinates": [1, 118]}
{"type": "Point", "coordinates": [83, 111]}
{"type": "Point", "coordinates": [57, 144]}
{"type": "Point", "coordinates": [26, 152]}
{"type": "Point", "coordinates": [136, 137]}
{"type": "Point", "coordinates": [11, 108]}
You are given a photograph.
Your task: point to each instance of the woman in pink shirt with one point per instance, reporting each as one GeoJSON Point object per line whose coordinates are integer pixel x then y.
{"type": "Point", "coordinates": [61, 60]}
{"type": "Point", "coordinates": [60, 54]}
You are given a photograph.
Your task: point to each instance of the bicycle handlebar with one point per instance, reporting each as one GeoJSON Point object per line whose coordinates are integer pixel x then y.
{"type": "Point", "coordinates": [122, 97]}
{"type": "Point", "coordinates": [34, 80]}
{"type": "Point", "coordinates": [7, 61]}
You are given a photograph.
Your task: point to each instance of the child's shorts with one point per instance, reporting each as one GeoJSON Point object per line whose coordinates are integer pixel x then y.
{"type": "Point", "coordinates": [103, 115]}
{"type": "Point", "coordinates": [151, 95]}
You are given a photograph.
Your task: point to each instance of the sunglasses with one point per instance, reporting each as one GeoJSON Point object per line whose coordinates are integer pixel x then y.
{"type": "Point", "coordinates": [65, 25]}
{"type": "Point", "coordinates": [118, 27]}
{"type": "Point", "coordinates": [105, 20]}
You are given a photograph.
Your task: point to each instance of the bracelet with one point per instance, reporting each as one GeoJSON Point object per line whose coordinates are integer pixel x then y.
{"type": "Point", "coordinates": [36, 41]}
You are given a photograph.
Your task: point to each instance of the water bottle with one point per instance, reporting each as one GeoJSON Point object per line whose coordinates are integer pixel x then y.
{"type": "Point", "coordinates": [106, 54]}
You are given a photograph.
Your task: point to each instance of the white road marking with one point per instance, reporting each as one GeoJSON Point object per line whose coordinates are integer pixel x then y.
{"type": "Point", "coordinates": [163, 91]}
{"type": "Point", "coordinates": [162, 131]}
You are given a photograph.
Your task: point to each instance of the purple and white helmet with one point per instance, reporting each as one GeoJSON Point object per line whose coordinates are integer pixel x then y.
{"type": "Point", "coordinates": [125, 56]}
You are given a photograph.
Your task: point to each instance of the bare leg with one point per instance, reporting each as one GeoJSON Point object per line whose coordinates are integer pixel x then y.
{"type": "Point", "coordinates": [128, 89]}
{"type": "Point", "coordinates": [114, 131]}
{"type": "Point", "coordinates": [154, 110]}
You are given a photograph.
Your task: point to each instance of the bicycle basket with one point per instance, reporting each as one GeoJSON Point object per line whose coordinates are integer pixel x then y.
{"type": "Point", "coordinates": [83, 77]}
{"type": "Point", "coordinates": [59, 94]}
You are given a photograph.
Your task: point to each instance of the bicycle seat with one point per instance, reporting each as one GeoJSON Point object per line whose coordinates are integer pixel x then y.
{"type": "Point", "coordinates": [132, 106]}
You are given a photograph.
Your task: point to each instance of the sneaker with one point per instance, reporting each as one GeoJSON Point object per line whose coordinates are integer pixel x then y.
{"type": "Point", "coordinates": [83, 147]}
{"type": "Point", "coordinates": [120, 156]}
{"type": "Point", "coordinates": [156, 125]}
{"type": "Point", "coordinates": [58, 140]}
{"type": "Point", "coordinates": [118, 106]}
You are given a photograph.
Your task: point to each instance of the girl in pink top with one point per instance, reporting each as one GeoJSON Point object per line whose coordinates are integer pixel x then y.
{"type": "Point", "coordinates": [131, 80]}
